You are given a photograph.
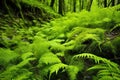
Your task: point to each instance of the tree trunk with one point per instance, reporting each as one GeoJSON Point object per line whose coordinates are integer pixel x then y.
{"type": "Point", "coordinates": [52, 3]}
{"type": "Point", "coordinates": [61, 7]}
{"type": "Point", "coordinates": [89, 3]}
{"type": "Point", "coordinates": [74, 5]}
{"type": "Point", "coordinates": [118, 2]}
{"type": "Point", "coordinates": [71, 6]}
{"type": "Point", "coordinates": [113, 2]}
{"type": "Point", "coordinates": [105, 3]}
{"type": "Point", "coordinates": [81, 4]}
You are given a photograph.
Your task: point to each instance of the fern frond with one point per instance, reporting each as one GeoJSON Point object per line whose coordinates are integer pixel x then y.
{"type": "Point", "coordinates": [23, 74]}
{"type": "Point", "coordinates": [78, 63]}
{"type": "Point", "coordinates": [109, 78]}
{"type": "Point", "coordinates": [104, 70]}
{"type": "Point", "coordinates": [56, 46]}
{"type": "Point", "coordinates": [105, 67]}
{"type": "Point", "coordinates": [39, 46]}
{"type": "Point", "coordinates": [106, 78]}
{"type": "Point", "coordinates": [96, 58]}
{"type": "Point", "coordinates": [56, 67]}
{"type": "Point", "coordinates": [96, 34]}
{"type": "Point", "coordinates": [97, 67]}
{"type": "Point", "coordinates": [26, 55]}
{"type": "Point", "coordinates": [6, 56]}
{"type": "Point", "coordinates": [72, 71]}
{"type": "Point", "coordinates": [49, 58]}
{"type": "Point", "coordinates": [75, 32]}
{"type": "Point", "coordinates": [44, 71]}
{"type": "Point", "coordinates": [15, 73]}
{"type": "Point", "coordinates": [25, 62]}
{"type": "Point", "coordinates": [69, 45]}
{"type": "Point", "coordinates": [108, 72]}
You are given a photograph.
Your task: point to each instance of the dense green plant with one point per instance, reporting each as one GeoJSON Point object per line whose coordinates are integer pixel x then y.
{"type": "Point", "coordinates": [14, 65]}
{"type": "Point", "coordinates": [106, 68]}
{"type": "Point", "coordinates": [61, 49]}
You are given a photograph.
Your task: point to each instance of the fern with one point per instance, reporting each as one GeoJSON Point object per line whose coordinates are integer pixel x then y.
{"type": "Point", "coordinates": [106, 67]}
{"type": "Point", "coordinates": [94, 6]}
{"type": "Point", "coordinates": [39, 46]}
{"type": "Point", "coordinates": [23, 76]}
{"type": "Point", "coordinates": [49, 58]}
{"type": "Point", "coordinates": [26, 55]}
{"type": "Point", "coordinates": [69, 45]}
{"type": "Point", "coordinates": [95, 34]}
{"type": "Point", "coordinates": [6, 56]}
{"type": "Point", "coordinates": [105, 70]}
{"type": "Point", "coordinates": [18, 71]}
{"type": "Point", "coordinates": [72, 71]}
{"type": "Point", "coordinates": [56, 46]}
{"type": "Point", "coordinates": [15, 73]}
{"type": "Point", "coordinates": [55, 68]}
{"type": "Point", "coordinates": [77, 32]}
{"type": "Point", "coordinates": [96, 58]}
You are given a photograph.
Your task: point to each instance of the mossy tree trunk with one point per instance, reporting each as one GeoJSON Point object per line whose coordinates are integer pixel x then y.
{"type": "Point", "coordinates": [52, 3]}
{"type": "Point", "coordinates": [81, 4]}
{"type": "Point", "coordinates": [89, 3]}
{"type": "Point", "coordinates": [113, 2]}
{"type": "Point", "coordinates": [105, 3]}
{"type": "Point", "coordinates": [118, 2]}
{"type": "Point", "coordinates": [61, 7]}
{"type": "Point", "coordinates": [74, 5]}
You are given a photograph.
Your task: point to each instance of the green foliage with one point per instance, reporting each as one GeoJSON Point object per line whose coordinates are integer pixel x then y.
{"type": "Point", "coordinates": [56, 46]}
{"type": "Point", "coordinates": [55, 68]}
{"type": "Point", "coordinates": [63, 46]}
{"type": "Point", "coordinates": [39, 46]}
{"type": "Point", "coordinates": [49, 58]}
{"type": "Point", "coordinates": [7, 57]}
{"type": "Point", "coordinates": [107, 69]}
{"type": "Point", "coordinates": [96, 58]}
{"type": "Point", "coordinates": [37, 3]}
{"type": "Point", "coordinates": [75, 66]}
{"type": "Point", "coordinates": [72, 72]}
{"type": "Point", "coordinates": [16, 71]}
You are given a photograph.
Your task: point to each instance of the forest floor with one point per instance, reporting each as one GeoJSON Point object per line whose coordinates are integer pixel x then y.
{"type": "Point", "coordinates": [52, 48]}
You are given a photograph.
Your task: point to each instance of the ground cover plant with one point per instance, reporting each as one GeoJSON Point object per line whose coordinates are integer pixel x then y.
{"type": "Point", "coordinates": [82, 45]}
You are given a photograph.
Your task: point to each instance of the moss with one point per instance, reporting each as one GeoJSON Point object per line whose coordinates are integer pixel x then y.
{"type": "Point", "coordinates": [108, 49]}
{"type": "Point", "coordinates": [116, 43]}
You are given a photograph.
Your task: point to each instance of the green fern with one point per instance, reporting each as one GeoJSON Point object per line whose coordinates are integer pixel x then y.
{"type": "Point", "coordinates": [18, 71]}
{"type": "Point", "coordinates": [106, 67]}
{"type": "Point", "coordinates": [56, 46]}
{"type": "Point", "coordinates": [55, 68]}
{"type": "Point", "coordinates": [26, 55]}
{"type": "Point", "coordinates": [39, 46]}
{"type": "Point", "coordinates": [69, 45]}
{"type": "Point", "coordinates": [72, 71]}
{"type": "Point", "coordinates": [49, 58]}
{"type": "Point", "coordinates": [15, 74]}
{"type": "Point", "coordinates": [6, 56]}
{"type": "Point", "coordinates": [24, 75]}
{"type": "Point", "coordinates": [96, 58]}
{"type": "Point", "coordinates": [105, 71]}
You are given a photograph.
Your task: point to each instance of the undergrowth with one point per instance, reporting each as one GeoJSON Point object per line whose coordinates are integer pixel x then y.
{"type": "Point", "coordinates": [73, 47]}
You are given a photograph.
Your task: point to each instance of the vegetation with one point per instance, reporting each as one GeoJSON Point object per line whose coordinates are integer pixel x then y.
{"type": "Point", "coordinates": [60, 40]}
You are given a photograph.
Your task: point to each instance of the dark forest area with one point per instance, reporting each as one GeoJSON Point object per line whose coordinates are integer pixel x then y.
{"type": "Point", "coordinates": [59, 39]}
